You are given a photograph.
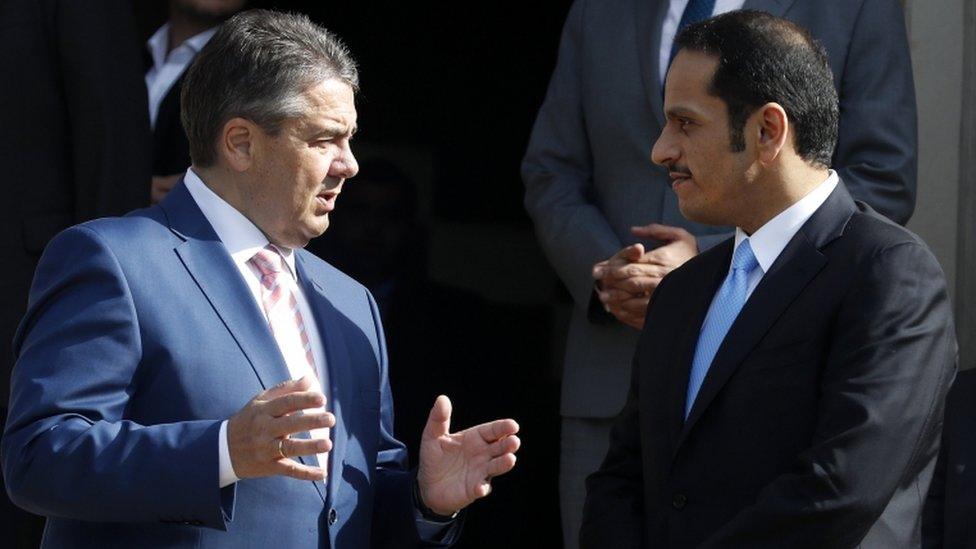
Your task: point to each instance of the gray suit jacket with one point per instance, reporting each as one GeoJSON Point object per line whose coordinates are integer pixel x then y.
{"type": "Point", "coordinates": [589, 177]}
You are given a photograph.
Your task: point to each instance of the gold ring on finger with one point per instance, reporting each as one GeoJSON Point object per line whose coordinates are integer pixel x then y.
{"type": "Point", "coordinates": [281, 450]}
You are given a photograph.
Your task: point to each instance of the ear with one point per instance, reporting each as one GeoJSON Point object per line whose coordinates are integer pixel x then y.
{"type": "Point", "coordinates": [774, 131]}
{"type": "Point", "coordinates": [236, 143]}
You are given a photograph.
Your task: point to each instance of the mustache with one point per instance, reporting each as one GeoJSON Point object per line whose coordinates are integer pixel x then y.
{"type": "Point", "coordinates": [679, 169]}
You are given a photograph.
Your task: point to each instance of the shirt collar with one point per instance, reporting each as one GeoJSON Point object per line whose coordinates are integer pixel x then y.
{"type": "Point", "coordinates": [158, 43]}
{"type": "Point", "coordinates": [770, 239]}
{"type": "Point", "coordinates": [240, 236]}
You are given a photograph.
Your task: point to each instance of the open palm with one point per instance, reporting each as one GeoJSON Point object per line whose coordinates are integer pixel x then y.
{"type": "Point", "coordinates": [456, 468]}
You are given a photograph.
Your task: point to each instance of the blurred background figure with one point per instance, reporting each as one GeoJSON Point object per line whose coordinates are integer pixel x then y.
{"type": "Point", "coordinates": [74, 145]}
{"type": "Point", "coordinates": [441, 339]}
{"type": "Point", "coordinates": [169, 51]}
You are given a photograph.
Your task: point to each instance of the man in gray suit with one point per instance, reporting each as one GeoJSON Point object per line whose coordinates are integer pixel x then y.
{"type": "Point", "coordinates": [591, 189]}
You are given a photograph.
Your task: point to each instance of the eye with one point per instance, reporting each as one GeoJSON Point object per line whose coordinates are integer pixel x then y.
{"type": "Point", "coordinates": [684, 123]}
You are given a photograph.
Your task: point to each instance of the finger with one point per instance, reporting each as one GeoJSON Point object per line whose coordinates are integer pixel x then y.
{"type": "Point", "coordinates": [501, 465]}
{"type": "Point", "coordinates": [631, 270]}
{"type": "Point", "coordinates": [506, 445]}
{"type": "Point", "coordinates": [636, 306]}
{"type": "Point", "coordinates": [494, 430]}
{"type": "Point", "coordinates": [293, 447]}
{"type": "Point", "coordinates": [638, 285]}
{"type": "Point", "coordinates": [293, 402]}
{"type": "Point", "coordinates": [630, 253]}
{"type": "Point", "coordinates": [303, 383]}
{"type": "Point", "coordinates": [439, 420]}
{"type": "Point", "coordinates": [293, 469]}
{"type": "Point", "coordinates": [297, 423]}
{"type": "Point", "coordinates": [658, 231]}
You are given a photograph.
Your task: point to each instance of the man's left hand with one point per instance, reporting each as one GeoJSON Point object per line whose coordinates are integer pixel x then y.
{"type": "Point", "coordinates": [457, 468]}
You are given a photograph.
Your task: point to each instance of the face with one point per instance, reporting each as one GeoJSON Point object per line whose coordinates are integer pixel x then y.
{"type": "Point", "coordinates": [296, 176]}
{"type": "Point", "coordinates": [695, 146]}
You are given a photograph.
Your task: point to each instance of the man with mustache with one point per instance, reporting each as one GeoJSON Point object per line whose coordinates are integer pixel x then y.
{"type": "Point", "coordinates": [788, 386]}
{"type": "Point", "coordinates": [592, 193]}
{"type": "Point", "coordinates": [189, 376]}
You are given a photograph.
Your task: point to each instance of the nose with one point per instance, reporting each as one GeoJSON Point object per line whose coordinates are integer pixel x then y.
{"type": "Point", "coordinates": [665, 151]}
{"type": "Point", "coordinates": [345, 165]}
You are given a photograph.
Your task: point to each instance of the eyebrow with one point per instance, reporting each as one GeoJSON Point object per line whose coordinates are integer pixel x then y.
{"type": "Point", "coordinates": [333, 130]}
{"type": "Point", "coordinates": [681, 112]}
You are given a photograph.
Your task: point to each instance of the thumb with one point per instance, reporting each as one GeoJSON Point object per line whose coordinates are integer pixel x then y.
{"type": "Point", "coordinates": [657, 231]}
{"type": "Point", "coordinates": [439, 420]}
{"type": "Point", "coordinates": [633, 252]}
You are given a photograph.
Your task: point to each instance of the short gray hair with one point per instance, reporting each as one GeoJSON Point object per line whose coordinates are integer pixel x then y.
{"type": "Point", "coordinates": [257, 66]}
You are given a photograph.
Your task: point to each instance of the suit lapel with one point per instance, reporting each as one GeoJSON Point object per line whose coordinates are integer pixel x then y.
{"type": "Point", "coordinates": [650, 17]}
{"type": "Point", "coordinates": [339, 370]}
{"type": "Point", "coordinates": [792, 271]}
{"type": "Point", "coordinates": [702, 290]}
{"type": "Point", "coordinates": [207, 261]}
{"type": "Point", "coordinates": [775, 7]}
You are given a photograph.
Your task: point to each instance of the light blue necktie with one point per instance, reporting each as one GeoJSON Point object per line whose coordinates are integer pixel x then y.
{"type": "Point", "coordinates": [728, 302]}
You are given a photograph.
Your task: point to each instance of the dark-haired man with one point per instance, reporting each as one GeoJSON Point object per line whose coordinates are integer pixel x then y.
{"type": "Point", "coordinates": [788, 386]}
{"type": "Point", "coordinates": [189, 376]}
{"type": "Point", "coordinates": [592, 194]}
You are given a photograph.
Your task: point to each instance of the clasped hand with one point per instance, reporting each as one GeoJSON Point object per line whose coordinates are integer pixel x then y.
{"type": "Point", "coordinates": [625, 282]}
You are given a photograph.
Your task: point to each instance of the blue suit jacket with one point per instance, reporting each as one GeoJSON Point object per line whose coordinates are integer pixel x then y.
{"type": "Point", "coordinates": [140, 338]}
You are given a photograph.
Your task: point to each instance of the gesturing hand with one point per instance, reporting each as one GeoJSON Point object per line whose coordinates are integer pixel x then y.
{"type": "Point", "coordinates": [456, 468]}
{"type": "Point", "coordinates": [254, 433]}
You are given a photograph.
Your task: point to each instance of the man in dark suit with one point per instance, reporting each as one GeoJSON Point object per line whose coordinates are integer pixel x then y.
{"type": "Point", "coordinates": [75, 145]}
{"type": "Point", "coordinates": [591, 191]}
{"type": "Point", "coordinates": [170, 50]}
{"type": "Point", "coordinates": [189, 376]}
{"type": "Point", "coordinates": [787, 389]}
{"type": "Point", "coordinates": [951, 502]}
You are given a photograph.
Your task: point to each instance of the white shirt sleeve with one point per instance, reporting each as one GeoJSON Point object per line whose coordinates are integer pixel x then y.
{"type": "Point", "coordinates": [226, 475]}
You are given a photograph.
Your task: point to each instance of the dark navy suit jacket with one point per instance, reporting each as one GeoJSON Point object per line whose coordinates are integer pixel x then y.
{"type": "Point", "coordinates": [140, 338]}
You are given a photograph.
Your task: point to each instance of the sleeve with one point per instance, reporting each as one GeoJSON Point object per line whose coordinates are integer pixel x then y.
{"type": "Point", "coordinates": [397, 521]}
{"type": "Point", "coordinates": [613, 514]}
{"type": "Point", "coordinates": [68, 449]}
{"type": "Point", "coordinates": [558, 174]}
{"type": "Point", "coordinates": [933, 514]}
{"type": "Point", "coordinates": [877, 143]}
{"type": "Point", "coordinates": [882, 397]}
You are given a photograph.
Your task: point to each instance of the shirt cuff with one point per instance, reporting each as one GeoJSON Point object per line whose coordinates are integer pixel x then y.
{"type": "Point", "coordinates": [227, 476]}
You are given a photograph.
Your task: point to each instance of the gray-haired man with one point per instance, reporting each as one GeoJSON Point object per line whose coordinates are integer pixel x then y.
{"type": "Point", "coordinates": [146, 333]}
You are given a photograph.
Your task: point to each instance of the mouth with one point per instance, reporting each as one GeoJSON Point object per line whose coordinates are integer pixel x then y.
{"type": "Point", "coordinates": [678, 179]}
{"type": "Point", "coordinates": [326, 200]}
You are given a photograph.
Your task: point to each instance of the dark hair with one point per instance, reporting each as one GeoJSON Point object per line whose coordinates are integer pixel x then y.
{"type": "Point", "coordinates": [258, 66]}
{"type": "Point", "coordinates": [763, 59]}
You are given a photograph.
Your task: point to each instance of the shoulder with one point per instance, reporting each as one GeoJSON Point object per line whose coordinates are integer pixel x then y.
{"type": "Point", "coordinates": [869, 236]}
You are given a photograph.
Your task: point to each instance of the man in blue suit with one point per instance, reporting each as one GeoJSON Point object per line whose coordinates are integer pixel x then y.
{"type": "Point", "coordinates": [189, 376]}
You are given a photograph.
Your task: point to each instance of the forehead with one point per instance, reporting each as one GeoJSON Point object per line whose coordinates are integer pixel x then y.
{"type": "Point", "coordinates": [688, 82]}
{"type": "Point", "coordinates": [331, 102]}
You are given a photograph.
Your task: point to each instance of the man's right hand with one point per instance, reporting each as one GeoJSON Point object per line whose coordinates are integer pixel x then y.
{"type": "Point", "coordinates": [254, 433]}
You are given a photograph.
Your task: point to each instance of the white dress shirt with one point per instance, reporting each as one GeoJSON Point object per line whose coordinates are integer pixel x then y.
{"type": "Point", "coordinates": [166, 69]}
{"type": "Point", "coordinates": [770, 239]}
{"type": "Point", "coordinates": [670, 29]}
{"type": "Point", "coordinates": [243, 239]}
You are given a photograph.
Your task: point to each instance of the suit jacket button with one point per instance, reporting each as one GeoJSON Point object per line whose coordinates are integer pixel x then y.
{"type": "Point", "coordinates": [333, 516]}
{"type": "Point", "coordinates": [679, 501]}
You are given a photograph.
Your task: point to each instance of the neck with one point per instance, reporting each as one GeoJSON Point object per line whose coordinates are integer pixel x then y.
{"type": "Point", "coordinates": [782, 189]}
